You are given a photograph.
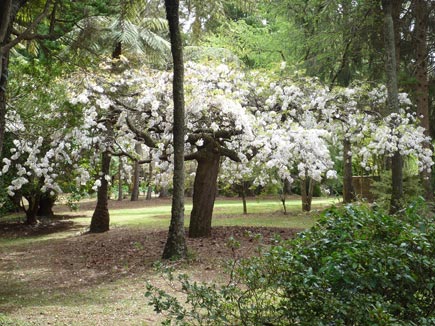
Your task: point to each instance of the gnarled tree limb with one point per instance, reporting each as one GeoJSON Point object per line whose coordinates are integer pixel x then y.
{"type": "Point", "coordinates": [141, 134]}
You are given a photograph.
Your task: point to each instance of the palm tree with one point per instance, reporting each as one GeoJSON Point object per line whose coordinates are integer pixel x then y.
{"type": "Point", "coordinates": [128, 32]}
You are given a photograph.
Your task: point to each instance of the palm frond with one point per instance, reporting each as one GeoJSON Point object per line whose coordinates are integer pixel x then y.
{"type": "Point", "coordinates": [154, 24]}
{"type": "Point", "coordinates": [139, 36]}
{"type": "Point", "coordinates": [127, 33]}
{"type": "Point", "coordinates": [150, 40]}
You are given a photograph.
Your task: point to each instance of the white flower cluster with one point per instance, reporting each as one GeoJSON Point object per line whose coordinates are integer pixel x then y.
{"type": "Point", "coordinates": [281, 129]}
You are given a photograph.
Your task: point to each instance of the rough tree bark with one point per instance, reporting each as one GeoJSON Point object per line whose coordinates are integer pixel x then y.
{"type": "Point", "coordinates": [46, 203]}
{"type": "Point", "coordinates": [422, 86]}
{"type": "Point", "coordinates": [5, 32]}
{"type": "Point", "coordinates": [32, 209]}
{"type": "Point", "coordinates": [307, 189]}
{"type": "Point", "coordinates": [149, 183]}
{"type": "Point", "coordinates": [348, 190]}
{"type": "Point", "coordinates": [175, 246]}
{"type": "Point", "coordinates": [101, 219]}
{"type": "Point", "coordinates": [243, 193]}
{"type": "Point", "coordinates": [393, 103]}
{"type": "Point", "coordinates": [120, 190]}
{"type": "Point", "coordinates": [204, 192]}
{"type": "Point", "coordinates": [136, 174]}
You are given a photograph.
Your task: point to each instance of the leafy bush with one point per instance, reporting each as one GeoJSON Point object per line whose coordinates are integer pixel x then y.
{"type": "Point", "coordinates": [355, 267]}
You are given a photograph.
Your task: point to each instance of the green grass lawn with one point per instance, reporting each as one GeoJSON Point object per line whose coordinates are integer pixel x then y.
{"type": "Point", "coordinates": [226, 213]}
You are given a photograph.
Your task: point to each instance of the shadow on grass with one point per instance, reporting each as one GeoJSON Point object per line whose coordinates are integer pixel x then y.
{"type": "Point", "coordinates": [16, 229]}
{"type": "Point", "coordinates": [77, 270]}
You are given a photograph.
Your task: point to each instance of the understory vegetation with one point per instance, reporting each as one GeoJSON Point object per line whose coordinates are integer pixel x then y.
{"type": "Point", "coordinates": [356, 266]}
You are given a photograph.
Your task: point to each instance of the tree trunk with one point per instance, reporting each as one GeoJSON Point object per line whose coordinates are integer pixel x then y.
{"type": "Point", "coordinates": [348, 191]}
{"type": "Point", "coordinates": [284, 206]}
{"type": "Point", "coordinates": [204, 194]}
{"type": "Point", "coordinates": [32, 209]}
{"type": "Point", "coordinates": [4, 63]}
{"type": "Point", "coordinates": [393, 103]}
{"type": "Point", "coordinates": [136, 174]}
{"type": "Point", "coordinates": [283, 195]}
{"type": "Point", "coordinates": [164, 192]}
{"type": "Point", "coordinates": [5, 16]}
{"type": "Point", "coordinates": [120, 190]}
{"type": "Point", "coordinates": [175, 246]}
{"type": "Point", "coordinates": [149, 192]}
{"type": "Point", "coordinates": [46, 203]}
{"type": "Point", "coordinates": [422, 86]}
{"type": "Point", "coordinates": [245, 208]}
{"type": "Point", "coordinates": [307, 188]}
{"type": "Point", "coordinates": [8, 12]}
{"type": "Point", "coordinates": [397, 183]}
{"type": "Point", "coordinates": [100, 219]}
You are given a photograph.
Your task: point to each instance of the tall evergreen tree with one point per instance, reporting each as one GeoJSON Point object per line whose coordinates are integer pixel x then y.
{"type": "Point", "coordinates": [176, 242]}
{"type": "Point", "coordinates": [422, 12]}
{"type": "Point", "coordinates": [393, 102]}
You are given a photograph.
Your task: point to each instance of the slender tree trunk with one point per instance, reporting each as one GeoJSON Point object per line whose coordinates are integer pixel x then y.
{"type": "Point", "coordinates": [149, 186]}
{"type": "Point", "coordinates": [5, 16]}
{"type": "Point", "coordinates": [175, 246]}
{"type": "Point", "coordinates": [284, 206]}
{"type": "Point", "coordinates": [120, 190]}
{"type": "Point", "coordinates": [396, 12]}
{"type": "Point", "coordinates": [100, 219]}
{"type": "Point", "coordinates": [283, 196]}
{"type": "Point", "coordinates": [136, 174]}
{"type": "Point", "coordinates": [422, 86]}
{"type": "Point", "coordinates": [149, 191]}
{"type": "Point", "coordinates": [135, 182]}
{"type": "Point", "coordinates": [393, 103]}
{"type": "Point", "coordinates": [46, 203]}
{"type": "Point", "coordinates": [204, 194]}
{"type": "Point", "coordinates": [245, 208]}
{"type": "Point", "coordinates": [4, 63]}
{"type": "Point", "coordinates": [307, 189]}
{"type": "Point", "coordinates": [348, 191]}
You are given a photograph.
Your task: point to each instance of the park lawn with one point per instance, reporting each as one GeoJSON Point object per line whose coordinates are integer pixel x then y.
{"type": "Point", "coordinates": [72, 278]}
{"type": "Point", "coordinates": [227, 212]}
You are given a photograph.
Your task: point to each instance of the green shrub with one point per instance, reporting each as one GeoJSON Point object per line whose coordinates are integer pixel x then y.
{"type": "Point", "coordinates": [355, 267]}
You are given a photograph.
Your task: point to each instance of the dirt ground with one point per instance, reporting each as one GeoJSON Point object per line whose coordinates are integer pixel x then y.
{"type": "Point", "coordinates": [80, 261]}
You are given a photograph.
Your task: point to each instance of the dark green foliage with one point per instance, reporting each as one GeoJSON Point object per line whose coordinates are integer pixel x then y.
{"type": "Point", "coordinates": [381, 188]}
{"type": "Point", "coordinates": [355, 267]}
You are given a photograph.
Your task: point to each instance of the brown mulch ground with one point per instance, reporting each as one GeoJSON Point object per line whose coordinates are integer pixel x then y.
{"type": "Point", "coordinates": [90, 259]}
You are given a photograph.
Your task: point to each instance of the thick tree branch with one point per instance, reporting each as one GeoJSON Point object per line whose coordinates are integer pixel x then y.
{"type": "Point", "coordinates": [232, 155]}
{"type": "Point", "coordinates": [192, 156]}
{"type": "Point", "coordinates": [140, 134]}
{"type": "Point", "coordinates": [209, 135]}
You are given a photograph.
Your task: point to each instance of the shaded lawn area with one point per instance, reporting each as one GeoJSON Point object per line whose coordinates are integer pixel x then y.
{"type": "Point", "coordinates": [227, 212]}
{"type": "Point", "coordinates": [54, 274]}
